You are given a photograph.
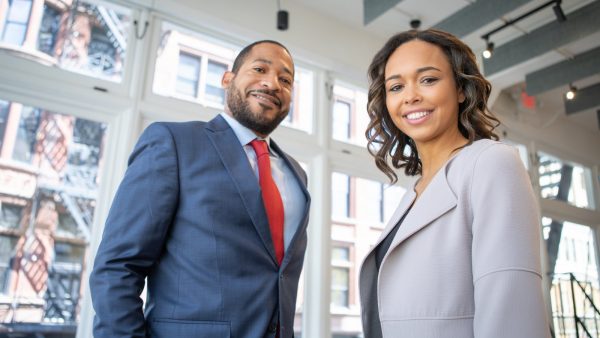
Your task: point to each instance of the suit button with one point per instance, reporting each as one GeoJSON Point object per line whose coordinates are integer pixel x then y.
{"type": "Point", "coordinates": [272, 328]}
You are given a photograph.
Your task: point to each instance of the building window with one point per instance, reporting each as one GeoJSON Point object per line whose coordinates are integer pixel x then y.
{"type": "Point", "coordinates": [349, 116]}
{"type": "Point", "coordinates": [15, 28]}
{"type": "Point", "coordinates": [188, 74]}
{"type": "Point", "coordinates": [214, 92]}
{"type": "Point", "coordinates": [26, 134]}
{"type": "Point", "coordinates": [190, 66]}
{"type": "Point", "coordinates": [48, 30]}
{"type": "Point", "coordinates": [342, 115]}
{"type": "Point", "coordinates": [340, 277]}
{"type": "Point", "coordinates": [340, 196]}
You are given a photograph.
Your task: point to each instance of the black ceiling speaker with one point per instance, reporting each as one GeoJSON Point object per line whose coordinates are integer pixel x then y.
{"type": "Point", "coordinates": [282, 20]}
{"type": "Point", "coordinates": [415, 23]}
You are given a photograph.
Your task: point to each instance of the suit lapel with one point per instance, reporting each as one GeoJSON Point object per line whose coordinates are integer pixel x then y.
{"type": "Point", "coordinates": [436, 200]}
{"type": "Point", "coordinates": [238, 167]}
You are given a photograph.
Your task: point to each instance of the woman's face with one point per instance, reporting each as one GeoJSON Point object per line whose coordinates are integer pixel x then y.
{"type": "Point", "coordinates": [421, 94]}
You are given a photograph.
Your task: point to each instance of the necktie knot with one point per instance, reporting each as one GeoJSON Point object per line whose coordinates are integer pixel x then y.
{"type": "Point", "coordinates": [260, 147]}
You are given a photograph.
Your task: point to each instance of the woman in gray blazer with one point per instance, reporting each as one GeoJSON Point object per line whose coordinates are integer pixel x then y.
{"type": "Point", "coordinates": [460, 257]}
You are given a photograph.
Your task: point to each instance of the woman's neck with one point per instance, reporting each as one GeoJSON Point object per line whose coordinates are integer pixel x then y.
{"type": "Point", "coordinates": [434, 154]}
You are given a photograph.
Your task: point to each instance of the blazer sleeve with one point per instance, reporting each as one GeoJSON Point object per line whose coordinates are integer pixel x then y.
{"type": "Point", "coordinates": [134, 235]}
{"type": "Point", "coordinates": [506, 248]}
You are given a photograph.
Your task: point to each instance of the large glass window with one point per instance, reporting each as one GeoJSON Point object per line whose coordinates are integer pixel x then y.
{"type": "Point", "coordinates": [564, 181]}
{"type": "Point", "coordinates": [349, 118]}
{"type": "Point", "coordinates": [46, 212]}
{"type": "Point", "coordinates": [78, 36]}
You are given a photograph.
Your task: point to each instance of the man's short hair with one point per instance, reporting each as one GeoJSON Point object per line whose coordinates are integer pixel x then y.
{"type": "Point", "coordinates": [241, 57]}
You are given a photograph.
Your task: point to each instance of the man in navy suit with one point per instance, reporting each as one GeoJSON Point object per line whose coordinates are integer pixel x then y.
{"type": "Point", "coordinates": [191, 217]}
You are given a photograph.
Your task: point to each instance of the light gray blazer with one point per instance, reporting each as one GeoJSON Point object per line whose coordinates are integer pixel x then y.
{"type": "Point", "coordinates": [465, 261]}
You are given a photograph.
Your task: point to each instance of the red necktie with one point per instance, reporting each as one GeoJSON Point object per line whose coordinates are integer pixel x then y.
{"type": "Point", "coordinates": [271, 197]}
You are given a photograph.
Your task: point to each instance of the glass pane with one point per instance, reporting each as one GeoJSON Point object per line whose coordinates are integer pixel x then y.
{"type": "Point", "coordinates": [350, 119]}
{"type": "Point", "coordinates": [188, 74]}
{"type": "Point", "coordinates": [564, 181]}
{"type": "Point", "coordinates": [575, 278]}
{"type": "Point", "coordinates": [78, 36]}
{"type": "Point", "coordinates": [342, 112]}
{"type": "Point", "coordinates": [178, 71]}
{"type": "Point", "coordinates": [301, 109]}
{"type": "Point", "coordinates": [19, 11]}
{"type": "Point", "coordinates": [14, 33]}
{"type": "Point", "coordinates": [340, 254]}
{"type": "Point", "coordinates": [215, 72]}
{"type": "Point", "coordinates": [340, 198]}
{"type": "Point", "coordinates": [339, 287]}
{"type": "Point", "coordinates": [47, 206]}
{"type": "Point", "coordinates": [25, 142]}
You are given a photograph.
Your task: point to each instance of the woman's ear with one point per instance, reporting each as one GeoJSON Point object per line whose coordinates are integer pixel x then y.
{"type": "Point", "coordinates": [461, 96]}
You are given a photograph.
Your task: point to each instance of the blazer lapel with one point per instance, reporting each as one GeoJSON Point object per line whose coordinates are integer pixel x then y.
{"type": "Point", "coordinates": [238, 167]}
{"type": "Point", "coordinates": [436, 200]}
{"type": "Point", "coordinates": [405, 203]}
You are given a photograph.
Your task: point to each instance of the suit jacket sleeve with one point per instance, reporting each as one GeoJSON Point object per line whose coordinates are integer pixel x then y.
{"type": "Point", "coordinates": [506, 248]}
{"type": "Point", "coordinates": [134, 235]}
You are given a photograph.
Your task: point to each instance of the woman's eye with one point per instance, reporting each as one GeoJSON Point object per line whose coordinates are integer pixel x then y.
{"type": "Point", "coordinates": [259, 69]}
{"type": "Point", "coordinates": [429, 80]}
{"type": "Point", "coordinates": [396, 88]}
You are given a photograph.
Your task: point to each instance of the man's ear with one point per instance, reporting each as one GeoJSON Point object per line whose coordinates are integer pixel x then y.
{"type": "Point", "coordinates": [226, 79]}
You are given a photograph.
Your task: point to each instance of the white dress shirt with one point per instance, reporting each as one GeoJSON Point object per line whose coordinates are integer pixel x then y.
{"type": "Point", "coordinates": [289, 188]}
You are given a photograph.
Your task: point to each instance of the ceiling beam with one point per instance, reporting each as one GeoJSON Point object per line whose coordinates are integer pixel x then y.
{"type": "Point", "coordinates": [585, 98]}
{"type": "Point", "coordinates": [579, 24]}
{"type": "Point", "coordinates": [563, 73]}
{"type": "Point", "coordinates": [477, 15]}
{"type": "Point", "coordinates": [373, 9]}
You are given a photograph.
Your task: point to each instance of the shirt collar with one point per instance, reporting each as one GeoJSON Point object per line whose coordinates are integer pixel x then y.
{"type": "Point", "coordinates": [244, 134]}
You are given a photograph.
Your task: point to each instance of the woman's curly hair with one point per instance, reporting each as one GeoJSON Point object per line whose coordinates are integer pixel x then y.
{"type": "Point", "coordinates": [386, 142]}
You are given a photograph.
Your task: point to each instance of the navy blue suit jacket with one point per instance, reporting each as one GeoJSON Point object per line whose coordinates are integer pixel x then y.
{"type": "Point", "coordinates": [189, 217]}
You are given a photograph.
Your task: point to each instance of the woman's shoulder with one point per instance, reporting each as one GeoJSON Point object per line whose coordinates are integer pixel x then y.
{"type": "Point", "coordinates": [486, 151]}
{"type": "Point", "coordinates": [488, 156]}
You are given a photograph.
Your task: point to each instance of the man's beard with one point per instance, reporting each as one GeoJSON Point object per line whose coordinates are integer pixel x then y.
{"type": "Point", "coordinates": [241, 111]}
